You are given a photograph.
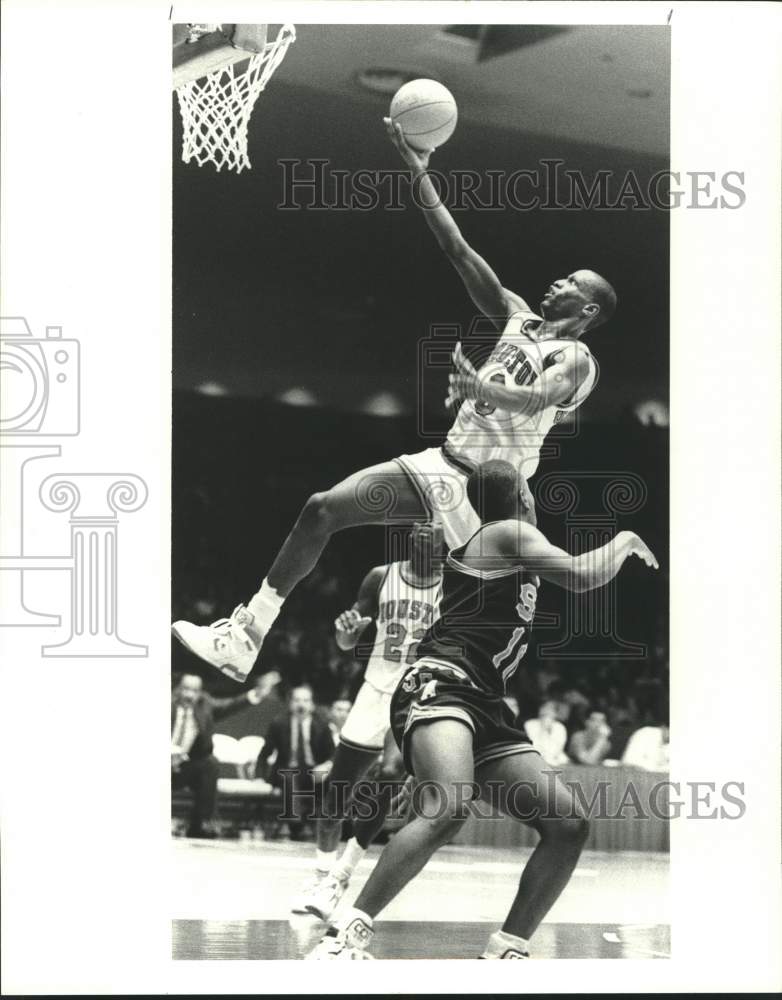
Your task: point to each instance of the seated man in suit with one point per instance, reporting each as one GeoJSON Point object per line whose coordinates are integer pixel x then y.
{"type": "Point", "coordinates": [302, 743]}
{"type": "Point", "coordinates": [193, 765]}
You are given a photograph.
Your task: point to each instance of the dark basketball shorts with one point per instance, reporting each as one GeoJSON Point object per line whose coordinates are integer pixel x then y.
{"type": "Point", "coordinates": [436, 689]}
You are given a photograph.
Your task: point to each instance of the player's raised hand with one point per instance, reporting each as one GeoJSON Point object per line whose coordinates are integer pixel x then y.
{"type": "Point", "coordinates": [413, 158]}
{"type": "Point", "coordinates": [464, 384]}
{"type": "Point", "coordinates": [463, 364]}
{"type": "Point", "coordinates": [638, 547]}
{"type": "Point", "coordinates": [351, 622]}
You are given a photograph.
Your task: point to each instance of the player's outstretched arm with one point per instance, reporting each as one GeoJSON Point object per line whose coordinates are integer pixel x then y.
{"type": "Point", "coordinates": [482, 284]}
{"type": "Point", "coordinates": [351, 623]}
{"type": "Point", "coordinates": [526, 544]}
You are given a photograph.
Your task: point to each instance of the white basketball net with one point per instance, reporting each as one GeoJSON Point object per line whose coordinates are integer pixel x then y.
{"type": "Point", "coordinates": [216, 110]}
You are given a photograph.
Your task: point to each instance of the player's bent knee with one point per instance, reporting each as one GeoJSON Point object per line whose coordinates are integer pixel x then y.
{"type": "Point", "coordinates": [316, 514]}
{"type": "Point", "coordinates": [572, 830]}
{"type": "Point", "coordinates": [444, 810]}
{"type": "Point", "coordinates": [444, 827]}
{"type": "Point", "coordinates": [327, 512]}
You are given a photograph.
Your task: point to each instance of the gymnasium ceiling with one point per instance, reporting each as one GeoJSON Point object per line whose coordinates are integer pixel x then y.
{"type": "Point", "coordinates": [601, 84]}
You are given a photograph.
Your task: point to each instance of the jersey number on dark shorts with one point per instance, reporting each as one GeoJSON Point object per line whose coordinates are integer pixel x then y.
{"type": "Point", "coordinates": [396, 636]}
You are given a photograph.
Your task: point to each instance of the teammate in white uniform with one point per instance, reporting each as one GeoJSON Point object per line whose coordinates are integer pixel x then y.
{"type": "Point", "coordinates": [402, 599]}
{"type": "Point", "coordinates": [538, 371]}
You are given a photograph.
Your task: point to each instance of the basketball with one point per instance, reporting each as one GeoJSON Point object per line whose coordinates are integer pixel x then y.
{"type": "Point", "coordinates": [427, 112]}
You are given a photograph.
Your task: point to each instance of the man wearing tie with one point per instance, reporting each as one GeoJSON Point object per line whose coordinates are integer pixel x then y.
{"type": "Point", "coordinates": [301, 741]}
{"type": "Point", "coordinates": [193, 714]}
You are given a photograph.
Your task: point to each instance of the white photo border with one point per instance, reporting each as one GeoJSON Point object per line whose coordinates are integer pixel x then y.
{"type": "Point", "coordinates": [86, 244]}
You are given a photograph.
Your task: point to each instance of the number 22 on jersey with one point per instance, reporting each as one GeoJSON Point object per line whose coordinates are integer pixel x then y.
{"type": "Point", "coordinates": [396, 637]}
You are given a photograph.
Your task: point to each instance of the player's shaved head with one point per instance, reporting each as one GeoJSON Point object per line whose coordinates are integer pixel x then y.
{"type": "Point", "coordinates": [583, 296]}
{"type": "Point", "coordinates": [602, 293]}
{"type": "Point", "coordinates": [497, 491]}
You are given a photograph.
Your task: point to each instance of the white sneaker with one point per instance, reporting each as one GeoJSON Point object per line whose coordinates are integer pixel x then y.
{"type": "Point", "coordinates": [308, 893]}
{"type": "Point", "coordinates": [336, 949]}
{"type": "Point", "coordinates": [324, 897]}
{"type": "Point", "coordinates": [226, 643]}
{"type": "Point", "coordinates": [349, 944]}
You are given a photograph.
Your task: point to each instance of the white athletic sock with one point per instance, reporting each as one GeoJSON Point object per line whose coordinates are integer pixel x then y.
{"type": "Point", "coordinates": [265, 606]}
{"type": "Point", "coordinates": [351, 856]}
{"type": "Point", "coordinates": [324, 861]}
{"type": "Point", "coordinates": [500, 944]}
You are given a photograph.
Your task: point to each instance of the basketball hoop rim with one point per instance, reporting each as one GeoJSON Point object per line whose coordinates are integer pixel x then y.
{"type": "Point", "coordinates": [228, 52]}
{"type": "Point", "coordinates": [216, 105]}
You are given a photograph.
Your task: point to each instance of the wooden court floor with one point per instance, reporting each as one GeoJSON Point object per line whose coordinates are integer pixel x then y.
{"type": "Point", "coordinates": [231, 900]}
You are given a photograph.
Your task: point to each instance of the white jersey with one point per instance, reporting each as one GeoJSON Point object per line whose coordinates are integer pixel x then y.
{"type": "Point", "coordinates": [482, 432]}
{"type": "Point", "coordinates": [405, 612]}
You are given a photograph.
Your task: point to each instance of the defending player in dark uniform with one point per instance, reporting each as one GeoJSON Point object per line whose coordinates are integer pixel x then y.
{"type": "Point", "coordinates": [456, 733]}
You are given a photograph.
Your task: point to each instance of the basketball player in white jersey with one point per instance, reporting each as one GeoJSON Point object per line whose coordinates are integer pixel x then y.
{"type": "Point", "coordinates": [538, 371]}
{"type": "Point", "coordinates": [402, 599]}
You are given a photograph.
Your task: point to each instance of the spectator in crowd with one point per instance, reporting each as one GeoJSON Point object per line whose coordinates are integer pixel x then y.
{"type": "Point", "coordinates": [298, 744]}
{"type": "Point", "coordinates": [338, 714]}
{"type": "Point", "coordinates": [193, 765]}
{"type": "Point", "coordinates": [623, 722]}
{"type": "Point", "coordinates": [591, 744]}
{"type": "Point", "coordinates": [556, 702]}
{"type": "Point", "coordinates": [648, 748]}
{"type": "Point", "coordinates": [577, 709]}
{"type": "Point", "coordinates": [548, 735]}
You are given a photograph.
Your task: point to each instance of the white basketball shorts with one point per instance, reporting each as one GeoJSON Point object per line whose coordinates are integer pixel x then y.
{"type": "Point", "coordinates": [441, 484]}
{"type": "Point", "coordinates": [369, 719]}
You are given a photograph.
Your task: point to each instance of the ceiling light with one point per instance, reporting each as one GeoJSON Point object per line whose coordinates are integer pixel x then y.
{"type": "Point", "coordinates": [386, 81]}
{"type": "Point", "coordinates": [384, 404]}
{"type": "Point", "coordinates": [298, 396]}
{"type": "Point", "coordinates": [212, 389]}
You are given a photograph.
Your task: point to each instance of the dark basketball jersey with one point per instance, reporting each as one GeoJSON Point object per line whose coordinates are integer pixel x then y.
{"type": "Point", "coordinates": [485, 618]}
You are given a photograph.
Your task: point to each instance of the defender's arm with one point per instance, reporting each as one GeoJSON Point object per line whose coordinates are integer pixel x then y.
{"type": "Point", "coordinates": [524, 544]}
